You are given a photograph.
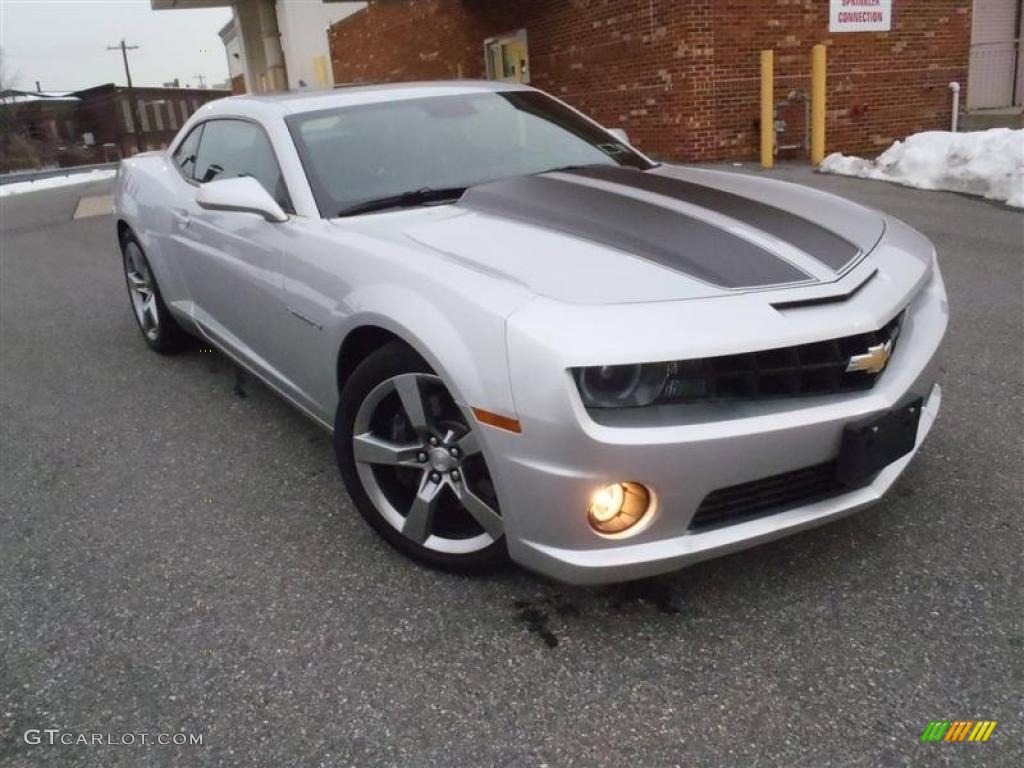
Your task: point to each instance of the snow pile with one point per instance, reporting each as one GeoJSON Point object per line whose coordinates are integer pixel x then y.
{"type": "Point", "coordinates": [17, 187]}
{"type": "Point", "coordinates": [987, 163]}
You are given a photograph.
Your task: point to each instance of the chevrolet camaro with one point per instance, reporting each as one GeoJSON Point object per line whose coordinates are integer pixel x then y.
{"type": "Point", "coordinates": [530, 340]}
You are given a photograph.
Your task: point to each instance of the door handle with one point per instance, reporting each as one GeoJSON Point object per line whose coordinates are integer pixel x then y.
{"type": "Point", "coordinates": [181, 216]}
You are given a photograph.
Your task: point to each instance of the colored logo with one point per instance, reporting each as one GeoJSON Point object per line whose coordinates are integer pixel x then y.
{"type": "Point", "coordinates": [872, 361]}
{"type": "Point", "coordinates": [958, 730]}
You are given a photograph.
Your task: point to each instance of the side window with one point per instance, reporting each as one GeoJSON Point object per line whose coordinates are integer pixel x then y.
{"type": "Point", "coordinates": [185, 154]}
{"type": "Point", "coordinates": [233, 148]}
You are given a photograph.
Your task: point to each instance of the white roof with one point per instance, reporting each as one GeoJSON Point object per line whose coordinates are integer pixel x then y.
{"type": "Point", "coordinates": [27, 96]}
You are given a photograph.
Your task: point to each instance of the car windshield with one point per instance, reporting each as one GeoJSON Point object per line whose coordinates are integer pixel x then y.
{"type": "Point", "coordinates": [398, 152]}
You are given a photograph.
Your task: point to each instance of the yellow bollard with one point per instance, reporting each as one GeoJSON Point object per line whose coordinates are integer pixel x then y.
{"type": "Point", "coordinates": [817, 104]}
{"type": "Point", "coordinates": [767, 109]}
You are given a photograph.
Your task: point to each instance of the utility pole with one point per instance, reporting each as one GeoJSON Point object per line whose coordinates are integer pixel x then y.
{"type": "Point", "coordinates": [139, 144]}
{"type": "Point", "coordinates": [202, 81]}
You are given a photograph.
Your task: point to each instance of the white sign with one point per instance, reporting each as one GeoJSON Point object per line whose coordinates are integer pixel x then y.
{"type": "Point", "coordinates": [860, 15]}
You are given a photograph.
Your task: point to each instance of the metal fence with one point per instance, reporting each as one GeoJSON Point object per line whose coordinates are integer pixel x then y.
{"type": "Point", "coordinates": [10, 178]}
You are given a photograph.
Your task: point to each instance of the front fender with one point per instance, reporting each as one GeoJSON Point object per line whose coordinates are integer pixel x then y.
{"type": "Point", "coordinates": [143, 200]}
{"type": "Point", "coordinates": [464, 343]}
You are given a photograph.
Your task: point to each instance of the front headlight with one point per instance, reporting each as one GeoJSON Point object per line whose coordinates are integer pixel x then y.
{"type": "Point", "coordinates": [621, 386]}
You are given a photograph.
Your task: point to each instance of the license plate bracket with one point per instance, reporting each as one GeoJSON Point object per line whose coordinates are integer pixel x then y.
{"type": "Point", "coordinates": [871, 445]}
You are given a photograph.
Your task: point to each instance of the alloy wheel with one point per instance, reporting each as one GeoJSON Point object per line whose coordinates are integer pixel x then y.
{"type": "Point", "coordinates": [142, 291]}
{"type": "Point", "coordinates": [421, 465]}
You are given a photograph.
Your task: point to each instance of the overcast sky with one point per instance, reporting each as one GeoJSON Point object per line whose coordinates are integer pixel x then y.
{"type": "Point", "coordinates": [62, 43]}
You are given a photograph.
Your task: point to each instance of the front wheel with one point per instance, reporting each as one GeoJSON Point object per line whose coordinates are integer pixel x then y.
{"type": "Point", "coordinates": [412, 464]}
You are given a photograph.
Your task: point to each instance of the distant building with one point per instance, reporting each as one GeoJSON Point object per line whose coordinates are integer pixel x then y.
{"type": "Point", "coordinates": [44, 115]}
{"type": "Point", "coordinates": [107, 113]}
{"type": "Point", "coordinates": [99, 124]}
{"type": "Point", "coordinates": [35, 126]}
{"type": "Point", "coordinates": [274, 46]}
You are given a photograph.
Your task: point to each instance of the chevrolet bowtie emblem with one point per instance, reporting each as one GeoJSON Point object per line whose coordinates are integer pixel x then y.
{"type": "Point", "coordinates": [872, 361]}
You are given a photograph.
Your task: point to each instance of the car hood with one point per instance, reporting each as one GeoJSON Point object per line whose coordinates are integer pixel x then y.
{"type": "Point", "coordinates": [608, 235]}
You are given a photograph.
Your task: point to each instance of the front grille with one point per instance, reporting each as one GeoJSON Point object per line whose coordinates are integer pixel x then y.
{"type": "Point", "coordinates": [767, 496]}
{"type": "Point", "coordinates": [818, 368]}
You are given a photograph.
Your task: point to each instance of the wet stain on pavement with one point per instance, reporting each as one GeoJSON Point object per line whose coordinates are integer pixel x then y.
{"type": "Point", "coordinates": [536, 622]}
{"type": "Point", "coordinates": [537, 613]}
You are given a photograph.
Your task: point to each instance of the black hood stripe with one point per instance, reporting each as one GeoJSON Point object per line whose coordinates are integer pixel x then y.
{"type": "Point", "coordinates": [652, 232]}
{"type": "Point", "coordinates": [810, 237]}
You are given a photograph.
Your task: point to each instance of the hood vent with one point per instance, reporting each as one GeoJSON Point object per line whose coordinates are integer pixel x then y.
{"type": "Point", "coordinates": [832, 299]}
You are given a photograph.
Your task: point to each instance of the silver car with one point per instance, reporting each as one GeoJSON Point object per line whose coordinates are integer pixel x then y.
{"type": "Point", "coordinates": [530, 340]}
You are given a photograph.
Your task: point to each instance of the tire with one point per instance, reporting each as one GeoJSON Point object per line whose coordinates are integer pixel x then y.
{"type": "Point", "coordinates": [159, 329]}
{"type": "Point", "coordinates": [413, 467]}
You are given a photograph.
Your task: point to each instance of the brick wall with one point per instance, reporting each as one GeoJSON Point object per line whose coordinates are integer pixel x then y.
{"type": "Point", "coordinates": [681, 77]}
{"type": "Point", "coordinates": [881, 85]}
{"type": "Point", "coordinates": [397, 40]}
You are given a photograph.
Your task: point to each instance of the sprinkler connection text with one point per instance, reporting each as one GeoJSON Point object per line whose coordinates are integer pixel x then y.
{"type": "Point", "coordinates": [55, 737]}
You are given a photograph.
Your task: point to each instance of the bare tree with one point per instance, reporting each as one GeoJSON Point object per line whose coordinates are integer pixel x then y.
{"type": "Point", "coordinates": [11, 140]}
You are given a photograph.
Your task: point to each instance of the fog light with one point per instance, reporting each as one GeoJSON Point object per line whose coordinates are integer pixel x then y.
{"type": "Point", "coordinates": [618, 507]}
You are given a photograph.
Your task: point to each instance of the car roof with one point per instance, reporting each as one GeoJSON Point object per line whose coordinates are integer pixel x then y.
{"type": "Point", "coordinates": [293, 102]}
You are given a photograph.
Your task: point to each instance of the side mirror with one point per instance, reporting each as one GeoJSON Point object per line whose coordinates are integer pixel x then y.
{"type": "Point", "coordinates": [243, 194]}
{"type": "Point", "coordinates": [619, 134]}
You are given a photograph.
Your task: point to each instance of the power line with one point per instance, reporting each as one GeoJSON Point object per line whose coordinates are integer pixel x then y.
{"type": "Point", "coordinates": [132, 105]}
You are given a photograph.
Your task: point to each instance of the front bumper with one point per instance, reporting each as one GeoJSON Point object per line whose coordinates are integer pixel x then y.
{"type": "Point", "coordinates": [546, 475]}
{"type": "Point", "coordinates": [626, 560]}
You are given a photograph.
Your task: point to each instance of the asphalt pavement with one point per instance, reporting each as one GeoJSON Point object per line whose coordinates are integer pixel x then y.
{"type": "Point", "coordinates": [177, 555]}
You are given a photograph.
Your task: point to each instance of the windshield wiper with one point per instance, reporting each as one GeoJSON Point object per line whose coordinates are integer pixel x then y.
{"type": "Point", "coordinates": [580, 166]}
{"type": "Point", "coordinates": [409, 199]}
{"type": "Point", "coordinates": [572, 167]}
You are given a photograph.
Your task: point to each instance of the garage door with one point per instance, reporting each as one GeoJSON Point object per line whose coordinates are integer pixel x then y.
{"type": "Point", "coordinates": [995, 60]}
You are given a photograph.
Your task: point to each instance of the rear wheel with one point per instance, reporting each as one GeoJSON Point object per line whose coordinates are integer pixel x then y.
{"type": "Point", "coordinates": [413, 466]}
{"type": "Point", "coordinates": [158, 328]}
